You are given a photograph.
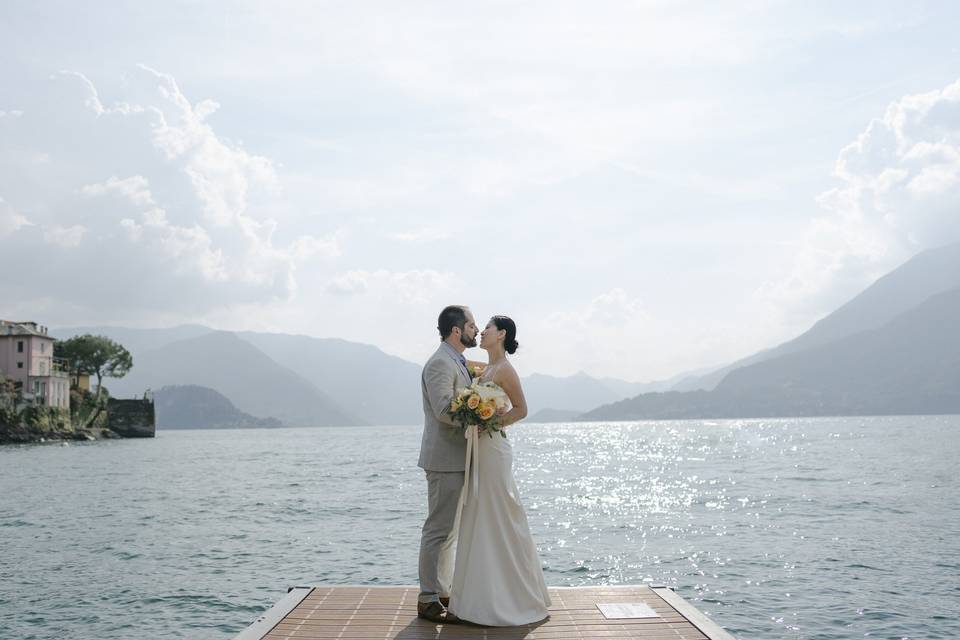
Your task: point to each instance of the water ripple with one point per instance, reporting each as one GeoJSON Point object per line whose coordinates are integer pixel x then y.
{"type": "Point", "coordinates": [825, 528]}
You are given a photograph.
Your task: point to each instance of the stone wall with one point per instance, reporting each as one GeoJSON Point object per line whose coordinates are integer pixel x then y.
{"type": "Point", "coordinates": [132, 418]}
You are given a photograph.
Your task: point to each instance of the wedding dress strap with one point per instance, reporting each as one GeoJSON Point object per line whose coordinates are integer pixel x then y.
{"type": "Point", "coordinates": [489, 370]}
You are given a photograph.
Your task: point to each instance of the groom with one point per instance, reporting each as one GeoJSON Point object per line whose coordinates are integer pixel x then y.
{"type": "Point", "coordinates": [442, 452]}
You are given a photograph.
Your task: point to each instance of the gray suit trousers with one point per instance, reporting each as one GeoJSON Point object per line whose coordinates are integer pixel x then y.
{"type": "Point", "coordinates": [443, 494]}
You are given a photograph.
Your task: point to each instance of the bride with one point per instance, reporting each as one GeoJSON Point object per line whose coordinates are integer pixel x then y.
{"type": "Point", "coordinates": [497, 579]}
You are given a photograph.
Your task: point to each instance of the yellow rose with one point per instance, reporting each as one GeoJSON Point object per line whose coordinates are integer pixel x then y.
{"type": "Point", "coordinates": [456, 404]}
{"type": "Point", "coordinates": [486, 412]}
{"type": "Point", "coordinates": [473, 401]}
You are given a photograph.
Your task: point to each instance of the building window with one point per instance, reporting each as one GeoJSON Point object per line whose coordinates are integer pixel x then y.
{"type": "Point", "coordinates": [19, 365]}
{"type": "Point", "coordinates": [43, 347]}
{"type": "Point", "coordinates": [19, 346]}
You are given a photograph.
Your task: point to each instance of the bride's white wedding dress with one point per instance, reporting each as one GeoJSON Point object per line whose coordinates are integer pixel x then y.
{"type": "Point", "coordinates": [496, 576]}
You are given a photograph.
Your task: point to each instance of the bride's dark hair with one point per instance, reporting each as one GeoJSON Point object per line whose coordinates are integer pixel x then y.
{"type": "Point", "coordinates": [503, 323]}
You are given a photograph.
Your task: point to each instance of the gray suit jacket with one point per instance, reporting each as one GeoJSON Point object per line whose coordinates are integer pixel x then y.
{"type": "Point", "coordinates": [443, 447]}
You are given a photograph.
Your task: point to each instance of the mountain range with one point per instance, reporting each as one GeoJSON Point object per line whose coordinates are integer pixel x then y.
{"type": "Point", "coordinates": [192, 407]}
{"type": "Point", "coordinates": [926, 274]}
{"type": "Point", "coordinates": [301, 380]}
{"type": "Point", "coordinates": [893, 349]}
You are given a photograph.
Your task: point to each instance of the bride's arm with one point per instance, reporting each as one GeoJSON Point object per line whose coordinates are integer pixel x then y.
{"type": "Point", "coordinates": [509, 381]}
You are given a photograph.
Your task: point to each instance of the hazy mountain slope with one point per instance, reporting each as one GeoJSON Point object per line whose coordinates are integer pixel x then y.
{"type": "Point", "coordinates": [136, 340]}
{"type": "Point", "coordinates": [251, 380]}
{"type": "Point", "coordinates": [909, 365]}
{"type": "Point", "coordinates": [578, 392]}
{"type": "Point", "coordinates": [553, 415]}
{"type": "Point", "coordinates": [195, 407]}
{"type": "Point", "coordinates": [629, 389]}
{"type": "Point", "coordinates": [926, 274]}
{"type": "Point", "coordinates": [377, 387]}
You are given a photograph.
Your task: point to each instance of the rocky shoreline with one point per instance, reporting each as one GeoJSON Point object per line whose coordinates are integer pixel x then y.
{"type": "Point", "coordinates": [23, 434]}
{"type": "Point", "coordinates": [121, 419]}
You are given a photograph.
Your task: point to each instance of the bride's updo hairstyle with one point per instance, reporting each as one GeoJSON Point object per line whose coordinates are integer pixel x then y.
{"type": "Point", "coordinates": [503, 323]}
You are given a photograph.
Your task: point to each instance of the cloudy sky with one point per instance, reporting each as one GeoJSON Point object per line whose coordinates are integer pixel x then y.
{"type": "Point", "coordinates": [646, 187]}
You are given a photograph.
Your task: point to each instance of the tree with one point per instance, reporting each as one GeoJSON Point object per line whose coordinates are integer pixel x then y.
{"type": "Point", "coordinates": [79, 351]}
{"type": "Point", "coordinates": [95, 355]}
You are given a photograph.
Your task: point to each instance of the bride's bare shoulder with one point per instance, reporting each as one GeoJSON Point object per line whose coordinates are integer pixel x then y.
{"type": "Point", "coordinates": [506, 373]}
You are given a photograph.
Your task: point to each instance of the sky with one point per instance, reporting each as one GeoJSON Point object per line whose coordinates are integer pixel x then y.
{"type": "Point", "coordinates": [647, 188]}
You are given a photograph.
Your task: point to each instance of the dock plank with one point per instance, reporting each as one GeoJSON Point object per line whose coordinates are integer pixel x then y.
{"type": "Point", "coordinates": [390, 613]}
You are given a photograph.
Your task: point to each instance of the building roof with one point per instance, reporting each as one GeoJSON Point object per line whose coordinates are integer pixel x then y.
{"type": "Point", "coordinates": [12, 328]}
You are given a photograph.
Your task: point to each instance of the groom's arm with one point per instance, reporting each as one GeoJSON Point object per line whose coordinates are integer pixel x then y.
{"type": "Point", "coordinates": [440, 380]}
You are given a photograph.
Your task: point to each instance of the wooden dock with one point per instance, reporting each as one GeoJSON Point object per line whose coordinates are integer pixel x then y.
{"type": "Point", "coordinates": [362, 612]}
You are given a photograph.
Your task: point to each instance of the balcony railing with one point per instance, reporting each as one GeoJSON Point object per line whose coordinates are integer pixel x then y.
{"type": "Point", "coordinates": [61, 367]}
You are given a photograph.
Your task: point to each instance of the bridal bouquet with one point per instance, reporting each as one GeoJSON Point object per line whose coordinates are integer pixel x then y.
{"type": "Point", "coordinates": [479, 404]}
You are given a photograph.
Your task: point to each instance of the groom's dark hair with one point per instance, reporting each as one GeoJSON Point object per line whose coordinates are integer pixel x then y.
{"type": "Point", "coordinates": [453, 316]}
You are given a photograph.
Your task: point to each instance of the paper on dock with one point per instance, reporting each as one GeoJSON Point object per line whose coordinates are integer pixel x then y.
{"type": "Point", "coordinates": [627, 610]}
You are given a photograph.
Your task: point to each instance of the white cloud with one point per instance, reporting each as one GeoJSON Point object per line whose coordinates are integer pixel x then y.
{"type": "Point", "coordinates": [144, 190]}
{"type": "Point", "coordinates": [406, 287]}
{"type": "Point", "coordinates": [595, 335]}
{"type": "Point", "coordinates": [350, 283]}
{"type": "Point", "coordinates": [613, 308]}
{"type": "Point", "coordinates": [309, 246]}
{"type": "Point", "coordinates": [92, 99]}
{"type": "Point", "coordinates": [899, 194]}
{"type": "Point", "coordinates": [135, 188]}
{"type": "Point", "coordinates": [10, 220]}
{"type": "Point", "coordinates": [221, 174]}
{"type": "Point", "coordinates": [664, 148]}
{"type": "Point", "coordinates": [66, 237]}
{"type": "Point", "coordinates": [421, 235]}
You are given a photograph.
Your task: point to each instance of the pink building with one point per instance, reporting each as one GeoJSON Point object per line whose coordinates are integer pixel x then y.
{"type": "Point", "coordinates": [26, 355]}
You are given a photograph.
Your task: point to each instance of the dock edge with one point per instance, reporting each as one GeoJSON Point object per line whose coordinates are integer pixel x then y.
{"type": "Point", "coordinates": [272, 616]}
{"type": "Point", "coordinates": [698, 619]}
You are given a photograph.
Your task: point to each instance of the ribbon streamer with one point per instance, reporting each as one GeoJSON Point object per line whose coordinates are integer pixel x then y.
{"type": "Point", "coordinates": [471, 476]}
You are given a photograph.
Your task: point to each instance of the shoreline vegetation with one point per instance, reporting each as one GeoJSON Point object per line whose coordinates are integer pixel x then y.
{"type": "Point", "coordinates": [29, 423]}
{"type": "Point", "coordinates": [29, 418]}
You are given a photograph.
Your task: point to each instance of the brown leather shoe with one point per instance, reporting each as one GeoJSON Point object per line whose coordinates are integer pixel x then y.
{"type": "Point", "coordinates": [445, 602]}
{"type": "Point", "coordinates": [435, 612]}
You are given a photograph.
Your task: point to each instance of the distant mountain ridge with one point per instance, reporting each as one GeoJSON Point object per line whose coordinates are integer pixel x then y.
{"type": "Point", "coordinates": [580, 392]}
{"type": "Point", "coordinates": [308, 381]}
{"type": "Point", "coordinates": [926, 274]}
{"type": "Point", "coordinates": [904, 360]}
{"type": "Point", "coordinates": [909, 366]}
{"type": "Point", "coordinates": [195, 407]}
{"type": "Point", "coordinates": [349, 372]}
{"type": "Point", "coordinates": [137, 340]}
{"type": "Point", "coordinates": [890, 349]}
{"type": "Point", "coordinates": [252, 381]}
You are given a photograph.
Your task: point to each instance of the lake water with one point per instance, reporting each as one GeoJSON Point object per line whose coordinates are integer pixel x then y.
{"type": "Point", "coordinates": [795, 528]}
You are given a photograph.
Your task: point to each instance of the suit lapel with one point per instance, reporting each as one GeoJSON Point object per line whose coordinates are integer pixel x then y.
{"type": "Point", "coordinates": [461, 373]}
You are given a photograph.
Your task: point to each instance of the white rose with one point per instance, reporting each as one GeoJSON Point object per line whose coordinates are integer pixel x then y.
{"type": "Point", "coordinates": [490, 391]}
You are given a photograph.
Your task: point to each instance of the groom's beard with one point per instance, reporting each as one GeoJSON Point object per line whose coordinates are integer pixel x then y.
{"type": "Point", "coordinates": [468, 342]}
